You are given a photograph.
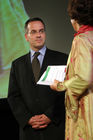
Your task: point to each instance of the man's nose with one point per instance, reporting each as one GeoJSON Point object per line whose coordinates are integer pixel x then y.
{"type": "Point", "coordinates": [38, 34]}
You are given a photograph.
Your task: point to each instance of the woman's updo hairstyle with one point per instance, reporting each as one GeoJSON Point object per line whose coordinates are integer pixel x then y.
{"type": "Point", "coordinates": [82, 11]}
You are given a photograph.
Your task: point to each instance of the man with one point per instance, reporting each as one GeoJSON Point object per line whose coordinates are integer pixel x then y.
{"type": "Point", "coordinates": [38, 109]}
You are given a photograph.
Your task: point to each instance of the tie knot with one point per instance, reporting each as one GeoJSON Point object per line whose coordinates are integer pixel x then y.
{"type": "Point", "coordinates": [36, 54]}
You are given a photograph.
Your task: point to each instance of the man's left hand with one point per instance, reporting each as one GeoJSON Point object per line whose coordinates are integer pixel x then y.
{"type": "Point", "coordinates": [40, 121]}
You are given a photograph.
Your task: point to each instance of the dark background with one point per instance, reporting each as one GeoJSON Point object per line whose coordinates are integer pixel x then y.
{"type": "Point", "coordinates": [59, 37]}
{"type": "Point", "coordinates": [58, 26]}
{"type": "Point", "coordinates": [8, 126]}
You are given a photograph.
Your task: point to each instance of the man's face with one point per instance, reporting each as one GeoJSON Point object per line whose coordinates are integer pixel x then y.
{"type": "Point", "coordinates": [36, 35]}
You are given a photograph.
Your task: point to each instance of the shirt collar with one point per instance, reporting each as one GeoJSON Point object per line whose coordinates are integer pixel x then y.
{"type": "Point", "coordinates": [42, 51]}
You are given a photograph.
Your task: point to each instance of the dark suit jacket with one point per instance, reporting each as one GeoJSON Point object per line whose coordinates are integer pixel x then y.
{"type": "Point", "coordinates": [27, 99]}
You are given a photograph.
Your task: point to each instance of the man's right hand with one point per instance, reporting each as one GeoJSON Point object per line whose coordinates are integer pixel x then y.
{"type": "Point", "coordinates": [39, 121]}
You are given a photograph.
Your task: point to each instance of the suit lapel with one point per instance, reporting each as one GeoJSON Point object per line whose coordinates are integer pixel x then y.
{"type": "Point", "coordinates": [29, 71]}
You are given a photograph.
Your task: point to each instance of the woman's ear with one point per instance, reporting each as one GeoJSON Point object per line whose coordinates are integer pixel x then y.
{"type": "Point", "coordinates": [75, 24]}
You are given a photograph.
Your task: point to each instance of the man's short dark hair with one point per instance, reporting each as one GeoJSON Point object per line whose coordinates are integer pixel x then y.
{"type": "Point", "coordinates": [33, 19]}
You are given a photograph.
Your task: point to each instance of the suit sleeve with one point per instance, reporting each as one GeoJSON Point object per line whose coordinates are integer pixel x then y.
{"type": "Point", "coordinates": [56, 112]}
{"type": "Point", "coordinates": [17, 105]}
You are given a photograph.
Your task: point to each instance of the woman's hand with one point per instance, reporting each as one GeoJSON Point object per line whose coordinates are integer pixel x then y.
{"type": "Point", "coordinates": [54, 85]}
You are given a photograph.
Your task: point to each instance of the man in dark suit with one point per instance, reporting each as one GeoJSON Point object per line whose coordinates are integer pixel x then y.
{"type": "Point", "coordinates": [38, 109]}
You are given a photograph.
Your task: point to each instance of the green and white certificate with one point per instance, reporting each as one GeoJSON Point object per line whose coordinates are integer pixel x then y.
{"type": "Point", "coordinates": [53, 73]}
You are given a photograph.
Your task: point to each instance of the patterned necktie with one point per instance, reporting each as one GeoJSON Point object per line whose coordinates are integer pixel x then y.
{"type": "Point", "coordinates": [36, 66]}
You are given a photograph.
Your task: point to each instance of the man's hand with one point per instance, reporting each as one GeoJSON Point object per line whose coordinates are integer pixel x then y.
{"type": "Point", "coordinates": [39, 121]}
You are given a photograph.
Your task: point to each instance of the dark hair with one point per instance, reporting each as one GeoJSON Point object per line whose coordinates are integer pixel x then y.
{"type": "Point", "coordinates": [82, 11]}
{"type": "Point", "coordinates": [33, 19]}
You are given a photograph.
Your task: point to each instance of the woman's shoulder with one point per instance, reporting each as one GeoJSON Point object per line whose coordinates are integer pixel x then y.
{"type": "Point", "coordinates": [83, 42]}
{"type": "Point", "coordinates": [84, 36]}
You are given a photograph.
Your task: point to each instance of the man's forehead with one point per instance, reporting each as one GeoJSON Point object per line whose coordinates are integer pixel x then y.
{"type": "Point", "coordinates": [35, 25]}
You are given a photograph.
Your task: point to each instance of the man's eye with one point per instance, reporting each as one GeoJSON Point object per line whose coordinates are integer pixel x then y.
{"type": "Point", "coordinates": [33, 32]}
{"type": "Point", "coordinates": [42, 31]}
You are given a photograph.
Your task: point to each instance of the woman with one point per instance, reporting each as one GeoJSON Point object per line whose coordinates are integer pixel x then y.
{"type": "Point", "coordinates": [78, 83]}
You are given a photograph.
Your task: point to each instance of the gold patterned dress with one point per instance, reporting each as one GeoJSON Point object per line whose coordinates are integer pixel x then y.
{"type": "Point", "coordinates": [79, 88]}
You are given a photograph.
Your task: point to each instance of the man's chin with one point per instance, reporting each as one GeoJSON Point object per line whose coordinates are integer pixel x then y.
{"type": "Point", "coordinates": [39, 47]}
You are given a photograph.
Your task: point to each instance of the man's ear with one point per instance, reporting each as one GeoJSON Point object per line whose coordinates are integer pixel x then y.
{"type": "Point", "coordinates": [26, 37]}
